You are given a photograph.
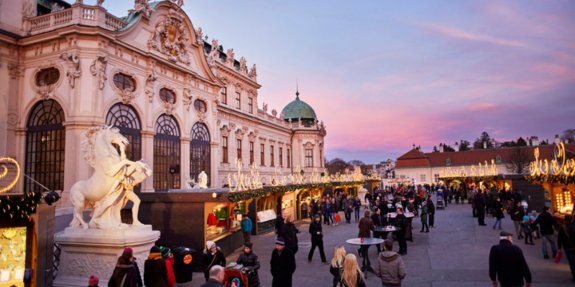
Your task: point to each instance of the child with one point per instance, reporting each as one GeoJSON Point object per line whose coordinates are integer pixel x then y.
{"type": "Point", "coordinates": [526, 228]}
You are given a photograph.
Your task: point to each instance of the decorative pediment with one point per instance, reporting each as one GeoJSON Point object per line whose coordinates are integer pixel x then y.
{"type": "Point", "coordinates": [225, 130]}
{"type": "Point", "coordinates": [172, 38]}
{"type": "Point", "coordinates": [308, 145]}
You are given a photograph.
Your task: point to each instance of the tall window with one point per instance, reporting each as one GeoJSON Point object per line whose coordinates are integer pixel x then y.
{"type": "Point", "coordinates": [224, 95]}
{"type": "Point", "coordinates": [200, 155]}
{"type": "Point", "coordinates": [126, 119]}
{"type": "Point", "coordinates": [281, 157]}
{"type": "Point", "coordinates": [251, 105]}
{"type": "Point", "coordinates": [288, 157]}
{"type": "Point", "coordinates": [238, 101]}
{"type": "Point", "coordinates": [239, 149]}
{"type": "Point", "coordinates": [224, 149]}
{"type": "Point", "coordinates": [252, 160]}
{"type": "Point", "coordinates": [166, 154]}
{"type": "Point", "coordinates": [309, 157]}
{"type": "Point", "coordinates": [320, 157]}
{"type": "Point", "coordinates": [272, 155]}
{"type": "Point", "coordinates": [262, 155]}
{"type": "Point", "coordinates": [45, 147]}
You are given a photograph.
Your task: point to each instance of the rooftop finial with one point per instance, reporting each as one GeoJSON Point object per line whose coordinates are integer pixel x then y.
{"type": "Point", "coordinates": [296, 90]}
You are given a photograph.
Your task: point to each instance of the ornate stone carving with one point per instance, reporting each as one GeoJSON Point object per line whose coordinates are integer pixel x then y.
{"type": "Point", "coordinates": [274, 113]}
{"type": "Point", "coordinates": [142, 6]}
{"type": "Point", "coordinates": [45, 91]}
{"type": "Point", "coordinates": [239, 134]}
{"type": "Point", "coordinates": [265, 107]}
{"type": "Point", "coordinates": [171, 38]}
{"type": "Point", "coordinates": [200, 36]}
{"type": "Point", "coordinates": [13, 119]}
{"type": "Point", "coordinates": [98, 69]}
{"type": "Point", "coordinates": [149, 88]}
{"type": "Point", "coordinates": [14, 71]}
{"type": "Point", "coordinates": [230, 57]}
{"type": "Point", "coordinates": [187, 98]}
{"type": "Point", "coordinates": [74, 71]}
{"type": "Point", "coordinates": [28, 9]}
{"type": "Point", "coordinates": [243, 66]}
{"type": "Point", "coordinates": [252, 74]}
{"type": "Point", "coordinates": [168, 107]}
{"type": "Point", "coordinates": [126, 96]}
{"type": "Point", "coordinates": [80, 264]}
{"type": "Point", "coordinates": [225, 131]}
{"type": "Point", "coordinates": [99, 3]}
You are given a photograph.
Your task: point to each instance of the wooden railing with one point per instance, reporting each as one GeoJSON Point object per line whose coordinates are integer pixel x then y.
{"type": "Point", "coordinates": [86, 15]}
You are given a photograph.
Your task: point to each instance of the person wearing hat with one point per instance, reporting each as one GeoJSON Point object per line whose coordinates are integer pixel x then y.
{"type": "Point", "coordinates": [155, 271]}
{"type": "Point", "coordinates": [126, 273]}
{"type": "Point", "coordinates": [282, 264]}
{"type": "Point", "coordinates": [169, 258]}
{"type": "Point", "coordinates": [93, 281]}
{"type": "Point", "coordinates": [251, 263]}
{"type": "Point", "coordinates": [212, 256]}
{"type": "Point", "coordinates": [507, 263]}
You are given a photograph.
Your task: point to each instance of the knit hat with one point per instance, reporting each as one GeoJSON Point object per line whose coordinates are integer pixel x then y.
{"type": "Point", "coordinates": [248, 245]}
{"type": "Point", "coordinates": [280, 240]}
{"type": "Point", "coordinates": [165, 251]}
{"type": "Point", "coordinates": [209, 244]}
{"type": "Point", "coordinates": [93, 281]}
{"type": "Point", "coordinates": [128, 250]}
{"type": "Point", "coordinates": [505, 234]}
{"type": "Point", "coordinates": [155, 249]}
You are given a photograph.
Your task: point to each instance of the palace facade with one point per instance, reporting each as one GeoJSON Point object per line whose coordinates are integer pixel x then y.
{"type": "Point", "coordinates": [184, 103]}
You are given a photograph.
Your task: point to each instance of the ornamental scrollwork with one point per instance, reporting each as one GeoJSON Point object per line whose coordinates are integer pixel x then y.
{"type": "Point", "coordinates": [171, 39]}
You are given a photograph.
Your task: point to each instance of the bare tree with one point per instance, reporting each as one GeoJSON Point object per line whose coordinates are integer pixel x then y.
{"type": "Point", "coordinates": [518, 161]}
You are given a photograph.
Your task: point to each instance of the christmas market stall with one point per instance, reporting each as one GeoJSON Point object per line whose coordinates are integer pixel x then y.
{"type": "Point", "coordinates": [557, 176]}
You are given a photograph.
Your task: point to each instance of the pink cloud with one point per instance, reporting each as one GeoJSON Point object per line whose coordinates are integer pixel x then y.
{"type": "Point", "coordinates": [470, 36]}
{"type": "Point", "coordinates": [481, 107]}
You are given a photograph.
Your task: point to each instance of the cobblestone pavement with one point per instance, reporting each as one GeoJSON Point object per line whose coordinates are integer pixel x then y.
{"type": "Point", "coordinates": [454, 253]}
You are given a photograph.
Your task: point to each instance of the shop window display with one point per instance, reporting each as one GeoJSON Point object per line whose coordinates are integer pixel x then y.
{"type": "Point", "coordinates": [222, 218]}
{"type": "Point", "coordinates": [12, 256]}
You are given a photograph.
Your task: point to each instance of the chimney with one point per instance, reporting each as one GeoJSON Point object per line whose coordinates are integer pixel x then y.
{"type": "Point", "coordinates": [534, 141]}
{"type": "Point", "coordinates": [484, 145]}
{"type": "Point", "coordinates": [441, 149]}
{"type": "Point", "coordinates": [557, 140]}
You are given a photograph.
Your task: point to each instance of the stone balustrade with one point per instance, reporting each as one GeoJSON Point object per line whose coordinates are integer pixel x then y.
{"type": "Point", "coordinates": [78, 14]}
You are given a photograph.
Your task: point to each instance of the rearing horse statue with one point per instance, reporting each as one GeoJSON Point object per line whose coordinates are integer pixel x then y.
{"type": "Point", "coordinates": [112, 183]}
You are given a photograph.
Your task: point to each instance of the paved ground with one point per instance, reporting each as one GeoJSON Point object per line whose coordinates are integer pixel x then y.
{"type": "Point", "coordinates": [454, 253]}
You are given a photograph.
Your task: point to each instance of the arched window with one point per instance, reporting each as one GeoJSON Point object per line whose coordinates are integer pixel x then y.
{"type": "Point", "coordinates": [47, 76]}
{"type": "Point", "coordinates": [125, 118]}
{"type": "Point", "coordinates": [200, 151]}
{"type": "Point", "coordinates": [45, 147]}
{"type": "Point", "coordinates": [166, 154]}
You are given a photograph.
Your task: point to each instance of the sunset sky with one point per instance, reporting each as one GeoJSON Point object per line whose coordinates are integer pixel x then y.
{"type": "Point", "coordinates": [384, 75]}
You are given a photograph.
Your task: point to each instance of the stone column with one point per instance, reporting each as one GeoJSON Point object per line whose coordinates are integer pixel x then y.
{"type": "Point", "coordinates": [148, 156]}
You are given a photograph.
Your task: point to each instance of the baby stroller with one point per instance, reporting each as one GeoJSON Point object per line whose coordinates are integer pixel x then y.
{"type": "Point", "coordinates": [440, 203]}
{"type": "Point", "coordinates": [235, 276]}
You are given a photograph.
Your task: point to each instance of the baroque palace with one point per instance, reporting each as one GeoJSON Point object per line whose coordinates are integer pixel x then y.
{"type": "Point", "coordinates": [185, 105]}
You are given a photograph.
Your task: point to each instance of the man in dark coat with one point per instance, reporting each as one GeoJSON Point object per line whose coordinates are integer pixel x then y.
{"type": "Point", "coordinates": [282, 265]}
{"type": "Point", "coordinates": [155, 270]}
{"type": "Point", "coordinates": [315, 229]}
{"type": "Point", "coordinates": [402, 223]}
{"type": "Point", "coordinates": [217, 275]}
{"type": "Point", "coordinates": [546, 223]}
{"type": "Point", "coordinates": [430, 211]}
{"type": "Point", "coordinates": [289, 233]}
{"type": "Point", "coordinates": [377, 219]}
{"type": "Point", "coordinates": [507, 264]}
{"type": "Point", "coordinates": [480, 205]}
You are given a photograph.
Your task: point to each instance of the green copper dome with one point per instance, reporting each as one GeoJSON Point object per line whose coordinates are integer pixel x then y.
{"type": "Point", "coordinates": [298, 109]}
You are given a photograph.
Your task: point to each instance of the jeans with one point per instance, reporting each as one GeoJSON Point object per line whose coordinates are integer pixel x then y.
{"type": "Point", "coordinates": [551, 239]}
{"type": "Point", "coordinates": [497, 223]}
{"type": "Point", "coordinates": [357, 214]}
{"type": "Point", "coordinates": [517, 224]}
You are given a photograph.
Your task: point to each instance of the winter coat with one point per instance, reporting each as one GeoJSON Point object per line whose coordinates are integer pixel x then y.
{"type": "Point", "coordinates": [365, 227]}
{"type": "Point", "coordinates": [246, 225]}
{"type": "Point", "coordinates": [315, 229]}
{"type": "Point", "coordinates": [155, 271]}
{"type": "Point", "coordinates": [282, 267]}
{"type": "Point", "coordinates": [279, 225]}
{"type": "Point", "coordinates": [517, 213]}
{"type": "Point", "coordinates": [336, 272]}
{"type": "Point", "coordinates": [171, 274]}
{"type": "Point", "coordinates": [507, 264]}
{"type": "Point", "coordinates": [546, 222]}
{"type": "Point", "coordinates": [250, 260]}
{"type": "Point", "coordinates": [423, 214]}
{"type": "Point", "coordinates": [210, 260]}
{"type": "Point", "coordinates": [125, 271]}
{"type": "Point", "coordinates": [360, 281]}
{"type": "Point", "coordinates": [289, 233]}
{"type": "Point", "coordinates": [498, 207]}
{"type": "Point", "coordinates": [391, 268]}
{"type": "Point", "coordinates": [566, 237]}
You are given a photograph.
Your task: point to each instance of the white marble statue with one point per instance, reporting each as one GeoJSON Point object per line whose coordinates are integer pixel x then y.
{"type": "Point", "coordinates": [203, 180]}
{"type": "Point", "coordinates": [112, 183]}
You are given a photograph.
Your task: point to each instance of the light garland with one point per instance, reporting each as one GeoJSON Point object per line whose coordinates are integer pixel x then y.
{"type": "Point", "coordinates": [4, 161]}
{"type": "Point", "coordinates": [559, 170]}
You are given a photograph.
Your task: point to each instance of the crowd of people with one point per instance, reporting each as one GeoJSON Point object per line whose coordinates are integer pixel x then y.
{"type": "Point", "coordinates": [380, 208]}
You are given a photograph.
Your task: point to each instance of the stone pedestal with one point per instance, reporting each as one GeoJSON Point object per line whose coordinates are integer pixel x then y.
{"type": "Point", "coordinates": [88, 252]}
